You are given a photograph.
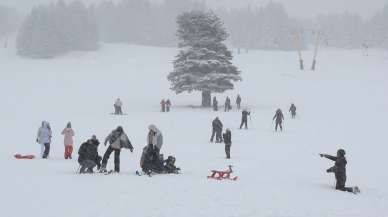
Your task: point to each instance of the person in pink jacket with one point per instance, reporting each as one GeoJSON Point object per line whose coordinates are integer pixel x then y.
{"type": "Point", "coordinates": [68, 132]}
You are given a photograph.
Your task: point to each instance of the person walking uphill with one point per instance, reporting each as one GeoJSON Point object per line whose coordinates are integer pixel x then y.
{"type": "Point", "coordinates": [228, 142]}
{"type": "Point", "coordinates": [244, 118]}
{"type": "Point", "coordinates": [292, 110]}
{"type": "Point", "coordinates": [216, 130]}
{"type": "Point", "coordinates": [117, 140]}
{"type": "Point", "coordinates": [339, 169]}
{"type": "Point", "coordinates": [44, 139]}
{"type": "Point", "coordinates": [278, 119]}
{"type": "Point", "coordinates": [68, 133]}
{"type": "Point", "coordinates": [155, 138]}
{"type": "Point", "coordinates": [88, 155]}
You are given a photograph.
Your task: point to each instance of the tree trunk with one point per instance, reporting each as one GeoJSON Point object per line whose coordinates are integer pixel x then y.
{"type": "Point", "coordinates": [206, 99]}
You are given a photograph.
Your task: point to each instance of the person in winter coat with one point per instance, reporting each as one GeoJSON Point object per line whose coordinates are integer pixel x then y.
{"type": "Point", "coordinates": [238, 102]}
{"type": "Point", "coordinates": [155, 138]}
{"type": "Point", "coordinates": [150, 160]}
{"type": "Point", "coordinates": [168, 105]}
{"type": "Point", "coordinates": [244, 118]}
{"type": "Point", "coordinates": [68, 133]}
{"type": "Point", "coordinates": [215, 104]}
{"type": "Point", "coordinates": [228, 105]}
{"type": "Point", "coordinates": [339, 169]}
{"type": "Point", "coordinates": [44, 139]}
{"type": "Point", "coordinates": [88, 156]}
{"type": "Point", "coordinates": [169, 166]}
{"type": "Point", "coordinates": [292, 110]}
{"type": "Point", "coordinates": [278, 119]}
{"type": "Point", "coordinates": [163, 105]}
{"type": "Point", "coordinates": [118, 104]}
{"type": "Point", "coordinates": [117, 140]}
{"type": "Point", "coordinates": [216, 130]}
{"type": "Point", "coordinates": [228, 142]}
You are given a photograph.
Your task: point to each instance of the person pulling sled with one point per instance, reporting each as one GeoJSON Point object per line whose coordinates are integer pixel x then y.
{"type": "Point", "coordinates": [339, 169]}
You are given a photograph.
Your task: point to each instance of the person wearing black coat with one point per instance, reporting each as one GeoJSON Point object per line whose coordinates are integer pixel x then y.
{"type": "Point", "coordinates": [88, 155]}
{"type": "Point", "coordinates": [228, 142]}
{"type": "Point", "coordinates": [215, 104]}
{"type": "Point", "coordinates": [293, 111]}
{"type": "Point", "coordinates": [339, 169]}
{"type": "Point", "coordinates": [244, 118]}
{"type": "Point", "coordinates": [117, 140]}
{"type": "Point", "coordinates": [238, 101]}
{"type": "Point", "coordinates": [278, 119]}
{"type": "Point", "coordinates": [216, 130]}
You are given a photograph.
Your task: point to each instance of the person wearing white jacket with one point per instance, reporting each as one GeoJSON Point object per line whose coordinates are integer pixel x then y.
{"type": "Point", "coordinates": [155, 137]}
{"type": "Point", "coordinates": [44, 139]}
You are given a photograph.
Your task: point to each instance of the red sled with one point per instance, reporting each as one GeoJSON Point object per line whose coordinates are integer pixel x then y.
{"type": "Point", "coordinates": [220, 175]}
{"type": "Point", "coordinates": [28, 157]}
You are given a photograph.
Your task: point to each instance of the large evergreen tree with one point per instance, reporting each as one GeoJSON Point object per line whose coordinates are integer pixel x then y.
{"type": "Point", "coordinates": [204, 62]}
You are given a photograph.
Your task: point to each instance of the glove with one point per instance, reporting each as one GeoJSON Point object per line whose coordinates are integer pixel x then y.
{"type": "Point", "coordinates": [321, 155]}
{"type": "Point", "coordinates": [37, 141]}
{"type": "Point", "coordinates": [131, 150]}
{"type": "Point", "coordinates": [105, 143]}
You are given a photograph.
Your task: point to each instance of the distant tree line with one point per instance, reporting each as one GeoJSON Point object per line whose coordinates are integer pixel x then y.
{"type": "Point", "coordinates": [9, 20]}
{"type": "Point", "coordinates": [52, 30]}
{"type": "Point", "coordinates": [55, 29]}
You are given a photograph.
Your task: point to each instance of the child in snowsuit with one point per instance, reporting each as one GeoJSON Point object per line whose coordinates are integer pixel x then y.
{"type": "Point", "coordinates": [244, 118]}
{"type": "Point", "coordinates": [339, 169]}
{"type": "Point", "coordinates": [117, 140]}
{"type": "Point", "coordinates": [88, 155]}
{"type": "Point", "coordinates": [228, 142]}
{"type": "Point", "coordinates": [279, 119]}
{"type": "Point", "coordinates": [169, 166]}
{"type": "Point", "coordinates": [216, 130]}
{"type": "Point", "coordinates": [68, 133]}
{"type": "Point", "coordinates": [44, 139]}
{"type": "Point", "coordinates": [292, 110]}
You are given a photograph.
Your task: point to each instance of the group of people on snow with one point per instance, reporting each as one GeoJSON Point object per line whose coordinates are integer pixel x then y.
{"type": "Point", "coordinates": [228, 104]}
{"type": "Point", "coordinates": [165, 105]}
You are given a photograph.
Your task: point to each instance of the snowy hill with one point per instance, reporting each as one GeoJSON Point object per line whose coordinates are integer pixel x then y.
{"type": "Point", "coordinates": [342, 105]}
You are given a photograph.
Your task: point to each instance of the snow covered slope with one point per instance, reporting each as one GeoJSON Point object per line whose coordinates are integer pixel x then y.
{"type": "Point", "coordinates": [342, 105]}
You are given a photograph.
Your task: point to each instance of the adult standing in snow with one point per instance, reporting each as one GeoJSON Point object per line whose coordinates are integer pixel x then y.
{"type": "Point", "coordinates": [216, 130]}
{"type": "Point", "coordinates": [88, 156]}
{"type": "Point", "coordinates": [228, 105]}
{"type": "Point", "coordinates": [238, 101]}
{"type": "Point", "coordinates": [292, 110]}
{"type": "Point", "coordinates": [215, 104]}
{"type": "Point", "coordinates": [44, 139]}
{"type": "Point", "coordinates": [244, 118]}
{"type": "Point", "coordinates": [168, 105]}
{"type": "Point", "coordinates": [228, 142]}
{"type": "Point", "coordinates": [117, 140]}
{"type": "Point", "coordinates": [155, 138]}
{"type": "Point", "coordinates": [163, 105]}
{"type": "Point", "coordinates": [68, 133]}
{"type": "Point", "coordinates": [339, 169]}
{"type": "Point", "coordinates": [118, 107]}
{"type": "Point", "coordinates": [278, 119]}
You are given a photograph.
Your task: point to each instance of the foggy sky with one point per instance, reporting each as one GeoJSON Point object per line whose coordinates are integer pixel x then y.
{"type": "Point", "coordinates": [296, 8]}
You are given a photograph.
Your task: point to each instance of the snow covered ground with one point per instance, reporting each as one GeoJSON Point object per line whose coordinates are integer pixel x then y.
{"type": "Point", "coordinates": [341, 105]}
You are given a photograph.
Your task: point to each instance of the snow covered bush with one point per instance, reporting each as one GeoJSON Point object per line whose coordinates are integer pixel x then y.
{"type": "Point", "coordinates": [203, 62]}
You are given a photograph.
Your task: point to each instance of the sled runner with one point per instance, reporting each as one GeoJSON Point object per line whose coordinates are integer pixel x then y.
{"type": "Point", "coordinates": [29, 157]}
{"type": "Point", "coordinates": [220, 175]}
